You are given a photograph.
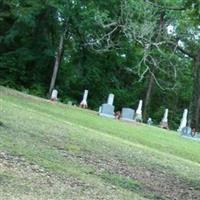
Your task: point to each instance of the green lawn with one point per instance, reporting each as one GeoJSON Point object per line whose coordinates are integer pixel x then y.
{"type": "Point", "coordinates": [54, 151]}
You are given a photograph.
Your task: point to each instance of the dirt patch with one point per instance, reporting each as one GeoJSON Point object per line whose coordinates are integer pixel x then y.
{"type": "Point", "coordinates": [158, 182]}
{"type": "Point", "coordinates": [29, 181]}
{"type": "Point", "coordinates": [23, 169]}
{"type": "Point", "coordinates": [153, 183]}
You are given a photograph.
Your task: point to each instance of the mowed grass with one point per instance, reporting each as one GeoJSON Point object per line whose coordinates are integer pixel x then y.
{"type": "Point", "coordinates": [54, 151]}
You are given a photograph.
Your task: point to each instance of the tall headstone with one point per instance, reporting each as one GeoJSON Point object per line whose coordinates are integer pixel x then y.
{"type": "Point", "coordinates": [54, 95]}
{"type": "Point", "coordinates": [83, 103]}
{"type": "Point", "coordinates": [138, 116]}
{"type": "Point", "coordinates": [164, 122]}
{"type": "Point", "coordinates": [100, 108]}
{"type": "Point", "coordinates": [127, 114]}
{"type": "Point", "coordinates": [110, 99]}
{"type": "Point", "coordinates": [183, 121]}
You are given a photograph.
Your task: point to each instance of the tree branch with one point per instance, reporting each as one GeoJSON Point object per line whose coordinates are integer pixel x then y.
{"type": "Point", "coordinates": [166, 8]}
{"type": "Point", "coordinates": [185, 52]}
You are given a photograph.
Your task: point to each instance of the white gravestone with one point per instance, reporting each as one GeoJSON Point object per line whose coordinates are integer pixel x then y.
{"type": "Point", "coordinates": [83, 103]}
{"type": "Point", "coordinates": [110, 99]}
{"type": "Point", "coordinates": [149, 121]}
{"type": "Point", "coordinates": [183, 120]}
{"type": "Point", "coordinates": [127, 114]}
{"type": "Point", "coordinates": [139, 112]}
{"type": "Point", "coordinates": [164, 122]}
{"type": "Point", "coordinates": [54, 95]}
{"type": "Point", "coordinates": [100, 108]}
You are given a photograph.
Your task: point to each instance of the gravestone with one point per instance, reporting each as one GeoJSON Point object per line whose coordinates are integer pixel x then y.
{"type": "Point", "coordinates": [183, 120]}
{"type": "Point", "coordinates": [100, 109]}
{"type": "Point", "coordinates": [110, 99]}
{"type": "Point", "coordinates": [149, 121]}
{"type": "Point", "coordinates": [138, 116]}
{"type": "Point", "coordinates": [107, 110]}
{"type": "Point", "coordinates": [186, 131]}
{"type": "Point", "coordinates": [164, 122]}
{"type": "Point", "coordinates": [83, 103]}
{"type": "Point", "coordinates": [54, 95]}
{"type": "Point", "coordinates": [127, 114]}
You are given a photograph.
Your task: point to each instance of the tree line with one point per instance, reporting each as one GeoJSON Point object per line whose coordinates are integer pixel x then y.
{"type": "Point", "coordinates": [143, 49]}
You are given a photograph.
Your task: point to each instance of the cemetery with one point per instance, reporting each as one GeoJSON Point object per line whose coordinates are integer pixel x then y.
{"type": "Point", "coordinates": [42, 139]}
{"type": "Point", "coordinates": [100, 100]}
{"type": "Point", "coordinates": [129, 115]}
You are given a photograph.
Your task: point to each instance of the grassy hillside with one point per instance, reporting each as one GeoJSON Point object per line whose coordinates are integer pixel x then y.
{"type": "Point", "coordinates": [54, 151]}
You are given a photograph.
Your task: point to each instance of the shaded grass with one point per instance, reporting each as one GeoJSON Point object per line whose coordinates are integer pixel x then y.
{"type": "Point", "coordinates": [162, 140]}
{"type": "Point", "coordinates": [127, 183]}
{"type": "Point", "coordinates": [121, 181]}
{"type": "Point", "coordinates": [71, 142]}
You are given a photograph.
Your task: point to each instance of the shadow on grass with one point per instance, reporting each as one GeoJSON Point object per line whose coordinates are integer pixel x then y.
{"type": "Point", "coordinates": [129, 184]}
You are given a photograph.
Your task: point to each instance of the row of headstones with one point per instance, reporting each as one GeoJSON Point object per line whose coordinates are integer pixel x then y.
{"type": "Point", "coordinates": [129, 114]}
{"type": "Point", "coordinates": [108, 109]}
{"type": "Point", "coordinates": [83, 104]}
{"type": "Point", "coordinates": [187, 130]}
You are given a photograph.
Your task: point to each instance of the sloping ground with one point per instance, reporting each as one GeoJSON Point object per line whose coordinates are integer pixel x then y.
{"type": "Point", "coordinates": [53, 151]}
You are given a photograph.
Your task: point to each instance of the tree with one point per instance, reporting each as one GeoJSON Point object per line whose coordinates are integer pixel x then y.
{"type": "Point", "coordinates": [27, 43]}
{"type": "Point", "coordinates": [119, 46]}
{"type": "Point", "coordinates": [187, 37]}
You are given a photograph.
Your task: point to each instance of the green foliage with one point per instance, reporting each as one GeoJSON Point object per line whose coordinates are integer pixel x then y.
{"type": "Point", "coordinates": [95, 57]}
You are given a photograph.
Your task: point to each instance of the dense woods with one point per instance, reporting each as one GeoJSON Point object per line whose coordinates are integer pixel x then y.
{"type": "Point", "coordinates": [142, 49]}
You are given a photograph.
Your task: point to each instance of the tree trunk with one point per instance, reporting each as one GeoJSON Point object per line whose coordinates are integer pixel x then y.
{"type": "Point", "coordinates": [195, 104]}
{"type": "Point", "coordinates": [57, 62]}
{"type": "Point", "coordinates": [151, 79]}
{"type": "Point", "coordinates": [148, 96]}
